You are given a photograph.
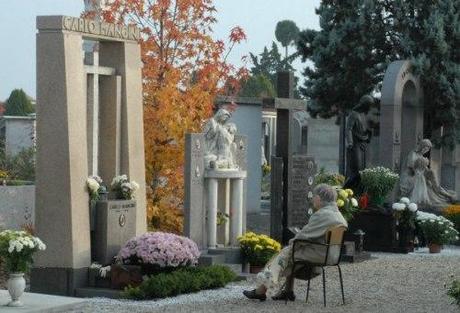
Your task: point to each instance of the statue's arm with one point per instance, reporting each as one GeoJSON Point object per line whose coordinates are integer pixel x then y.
{"type": "Point", "coordinates": [210, 128]}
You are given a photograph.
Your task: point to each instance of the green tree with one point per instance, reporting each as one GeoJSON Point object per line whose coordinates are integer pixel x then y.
{"type": "Point", "coordinates": [428, 33]}
{"type": "Point", "coordinates": [350, 54]}
{"type": "Point", "coordinates": [286, 33]}
{"type": "Point", "coordinates": [18, 104]}
{"type": "Point", "coordinates": [259, 86]}
{"type": "Point", "coordinates": [269, 62]}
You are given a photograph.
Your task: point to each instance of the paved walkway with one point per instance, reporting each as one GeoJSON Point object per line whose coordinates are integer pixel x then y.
{"type": "Point", "coordinates": [39, 303]}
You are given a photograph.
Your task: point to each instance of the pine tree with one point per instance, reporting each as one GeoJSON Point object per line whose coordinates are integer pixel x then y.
{"type": "Point", "coordinates": [350, 54]}
{"type": "Point", "coordinates": [18, 104]}
{"type": "Point", "coordinates": [430, 37]}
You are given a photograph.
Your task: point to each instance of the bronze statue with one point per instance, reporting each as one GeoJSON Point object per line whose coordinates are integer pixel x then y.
{"type": "Point", "coordinates": [357, 137]}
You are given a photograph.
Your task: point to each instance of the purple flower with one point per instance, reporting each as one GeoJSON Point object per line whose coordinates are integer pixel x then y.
{"type": "Point", "coordinates": [162, 249]}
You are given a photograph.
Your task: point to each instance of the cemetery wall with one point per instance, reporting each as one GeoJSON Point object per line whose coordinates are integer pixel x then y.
{"type": "Point", "coordinates": [17, 205]}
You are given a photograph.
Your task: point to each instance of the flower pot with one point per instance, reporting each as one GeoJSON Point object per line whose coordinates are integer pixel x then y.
{"type": "Point", "coordinates": [434, 248]}
{"type": "Point", "coordinates": [16, 286]}
{"type": "Point", "coordinates": [125, 275]}
{"type": "Point", "coordinates": [254, 269]}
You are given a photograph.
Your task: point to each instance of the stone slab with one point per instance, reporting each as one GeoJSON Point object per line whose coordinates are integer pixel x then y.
{"type": "Point", "coordinates": [115, 225]}
{"type": "Point", "coordinates": [35, 303]}
{"type": "Point", "coordinates": [17, 206]}
{"type": "Point", "coordinates": [94, 292]}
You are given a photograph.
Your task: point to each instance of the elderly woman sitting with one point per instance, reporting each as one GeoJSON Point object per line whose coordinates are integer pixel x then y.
{"type": "Point", "coordinates": [277, 272]}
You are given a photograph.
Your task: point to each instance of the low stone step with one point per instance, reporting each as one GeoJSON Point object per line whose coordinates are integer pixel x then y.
{"type": "Point", "coordinates": [232, 255]}
{"type": "Point", "coordinates": [211, 259]}
{"type": "Point", "coordinates": [94, 292]}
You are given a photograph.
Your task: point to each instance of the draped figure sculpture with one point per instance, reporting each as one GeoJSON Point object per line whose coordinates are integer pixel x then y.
{"type": "Point", "coordinates": [220, 141]}
{"type": "Point", "coordinates": [357, 136]}
{"type": "Point", "coordinates": [419, 183]}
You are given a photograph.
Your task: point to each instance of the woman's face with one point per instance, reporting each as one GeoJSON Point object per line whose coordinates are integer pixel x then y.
{"type": "Point", "coordinates": [425, 150]}
{"type": "Point", "coordinates": [316, 202]}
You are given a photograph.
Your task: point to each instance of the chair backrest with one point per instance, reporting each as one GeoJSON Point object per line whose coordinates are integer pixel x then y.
{"type": "Point", "coordinates": [334, 235]}
{"type": "Point", "coordinates": [334, 240]}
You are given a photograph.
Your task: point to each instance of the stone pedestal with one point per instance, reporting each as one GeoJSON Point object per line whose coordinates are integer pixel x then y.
{"type": "Point", "coordinates": [213, 179]}
{"type": "Point", "coordinates": [115, 224]}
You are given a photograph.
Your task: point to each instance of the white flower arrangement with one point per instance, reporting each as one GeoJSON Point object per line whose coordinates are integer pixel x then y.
{"type": "Point", "coordinates": [94, 185]}
{"type": "Point", "coordinates": [436, 229]}
{"type": "Point", "coordinates": [17, 249]}
{"type": "Point", "coordinates": [124, 188]}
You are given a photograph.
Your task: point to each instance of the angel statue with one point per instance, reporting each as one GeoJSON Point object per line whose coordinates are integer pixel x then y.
{"type": "Point", "coordinates": [220, 141]}
{"type": "Point", "coordinates": [418, 182]}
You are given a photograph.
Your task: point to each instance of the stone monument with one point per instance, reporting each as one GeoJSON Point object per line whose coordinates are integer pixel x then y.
{"type": "Point", "coordinates": [89, 121]}
{"type": "Point", "coordinates": [215, 172]}
{"type": "Point", "coordinates": [293, 170]}
{"type": "Point", "coordinates": [401, 114]}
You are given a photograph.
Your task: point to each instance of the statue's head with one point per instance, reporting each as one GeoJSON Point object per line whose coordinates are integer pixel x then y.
{"type": "Point", "coordinates": [222, 116]}
{"type": "Point", "coordinates": [364, 104]}
{"type": "Point", "coordinates": [424, 146]}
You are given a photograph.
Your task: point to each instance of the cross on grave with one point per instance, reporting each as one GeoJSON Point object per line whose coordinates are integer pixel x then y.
{"type": "Point", "coordinates": [292, 169]}
{"type": "Point", "coordinates": [93, 72]}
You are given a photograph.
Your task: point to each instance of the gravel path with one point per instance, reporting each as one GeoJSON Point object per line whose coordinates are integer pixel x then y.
{"type": "Point", "coordinates": [388, 283]}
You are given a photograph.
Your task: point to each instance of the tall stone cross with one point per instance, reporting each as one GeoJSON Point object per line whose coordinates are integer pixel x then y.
{"type": "Point", "coordinates": [93, 71]}
{"type": "Point", "coordinates": [292, 170]}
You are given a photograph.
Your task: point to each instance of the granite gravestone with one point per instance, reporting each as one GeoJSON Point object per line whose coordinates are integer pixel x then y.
{"type": "Point", "coordinates": [291, 169]}
{"type": "Point", "coordinates": [96, 128]}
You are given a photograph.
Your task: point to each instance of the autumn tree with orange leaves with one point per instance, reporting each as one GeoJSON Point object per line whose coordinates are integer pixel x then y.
{"type": "Point", "coordinates": [184, 69]}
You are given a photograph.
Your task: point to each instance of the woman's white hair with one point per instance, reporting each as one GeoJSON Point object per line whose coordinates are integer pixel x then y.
{"type": "Point", "coordinates": [326, 193]}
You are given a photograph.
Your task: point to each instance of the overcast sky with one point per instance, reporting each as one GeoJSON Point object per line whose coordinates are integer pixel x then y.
{"type": "Point", "coordinates": [257, 17]}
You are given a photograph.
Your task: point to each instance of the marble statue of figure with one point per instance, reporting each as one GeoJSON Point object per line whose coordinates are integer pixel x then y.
{"type": "Point", "coordinates": [357, 136]}
{"type": "Point", "coordinates": [220, 141]}
{"type": "Point", "coordinates": [418, 182]}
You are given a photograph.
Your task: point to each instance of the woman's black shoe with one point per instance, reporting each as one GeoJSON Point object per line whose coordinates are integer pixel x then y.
{"type": "Point", "coordinates": [251, 294]}
{"type": "Point", "coordinates": [283, 295]}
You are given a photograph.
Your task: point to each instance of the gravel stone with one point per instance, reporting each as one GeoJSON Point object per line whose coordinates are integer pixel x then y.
{"type": "Point", "coordinates": [388, 283]}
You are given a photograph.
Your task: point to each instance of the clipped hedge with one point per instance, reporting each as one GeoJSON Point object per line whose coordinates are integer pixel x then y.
{"type": "Point", "coordinates": [181, 281]}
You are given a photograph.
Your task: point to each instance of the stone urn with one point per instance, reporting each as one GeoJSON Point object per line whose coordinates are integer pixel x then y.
{"type": "Point", "coordinates": [16, 286]}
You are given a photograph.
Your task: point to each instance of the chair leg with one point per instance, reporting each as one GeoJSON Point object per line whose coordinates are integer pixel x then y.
{"type": "Point", "coordinates": [324, 286]}
{"type": "Point", "coordinates": [308, 290]}
{"type": "Point", "coordinates": [341, 284]}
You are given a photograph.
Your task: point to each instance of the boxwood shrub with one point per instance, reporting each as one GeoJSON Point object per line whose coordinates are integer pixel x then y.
{"type": "Point", "coordinates": [181, 281]}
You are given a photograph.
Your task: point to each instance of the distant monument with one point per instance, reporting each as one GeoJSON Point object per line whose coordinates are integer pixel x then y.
{"type": "Point", "coordinates": [215, 174]}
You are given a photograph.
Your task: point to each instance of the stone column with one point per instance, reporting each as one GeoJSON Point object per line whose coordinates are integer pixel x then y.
{"type": "Point", "coordinates": [61, 211]}
{"type": "Point", "coordinates": [125, 58]}
{"type": "Point", "coordinates": [236, 205]}
{"type": "Point", "coordinates": [212, 212]}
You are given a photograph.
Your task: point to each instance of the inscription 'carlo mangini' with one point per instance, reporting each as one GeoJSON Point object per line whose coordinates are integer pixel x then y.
{"type": "Point", "coordinates": [100, 28]}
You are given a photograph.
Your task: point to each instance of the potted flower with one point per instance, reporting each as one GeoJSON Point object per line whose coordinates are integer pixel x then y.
{"type": "Point", "coordinates": [378, 182]}
{"type": "Point", "coordinates": [17, 249]}
{"type": "Point", "coordinates": [346, 203]}
{"type": "Point", "coordinates": [155, 252]}
{"type": "Point", "coordinates": [123, 188]}
{"type": "Point", "coordinates": [405, 212]}
{"type": "Point", "coordinates": [437, 230]}
{"type": "Point", "coordinates": [258, 250]}
{"type": "Point", "coordinates": [452, 213]}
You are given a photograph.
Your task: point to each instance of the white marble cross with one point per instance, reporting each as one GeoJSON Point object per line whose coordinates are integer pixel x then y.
{"type": "Point", "coordinates": [93, 71]}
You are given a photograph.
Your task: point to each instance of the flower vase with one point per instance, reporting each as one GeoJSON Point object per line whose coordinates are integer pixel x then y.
{"type": "Point", "coordinates": [434, 248]}
{"type": "Point", "coordinates": [16, 286]}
